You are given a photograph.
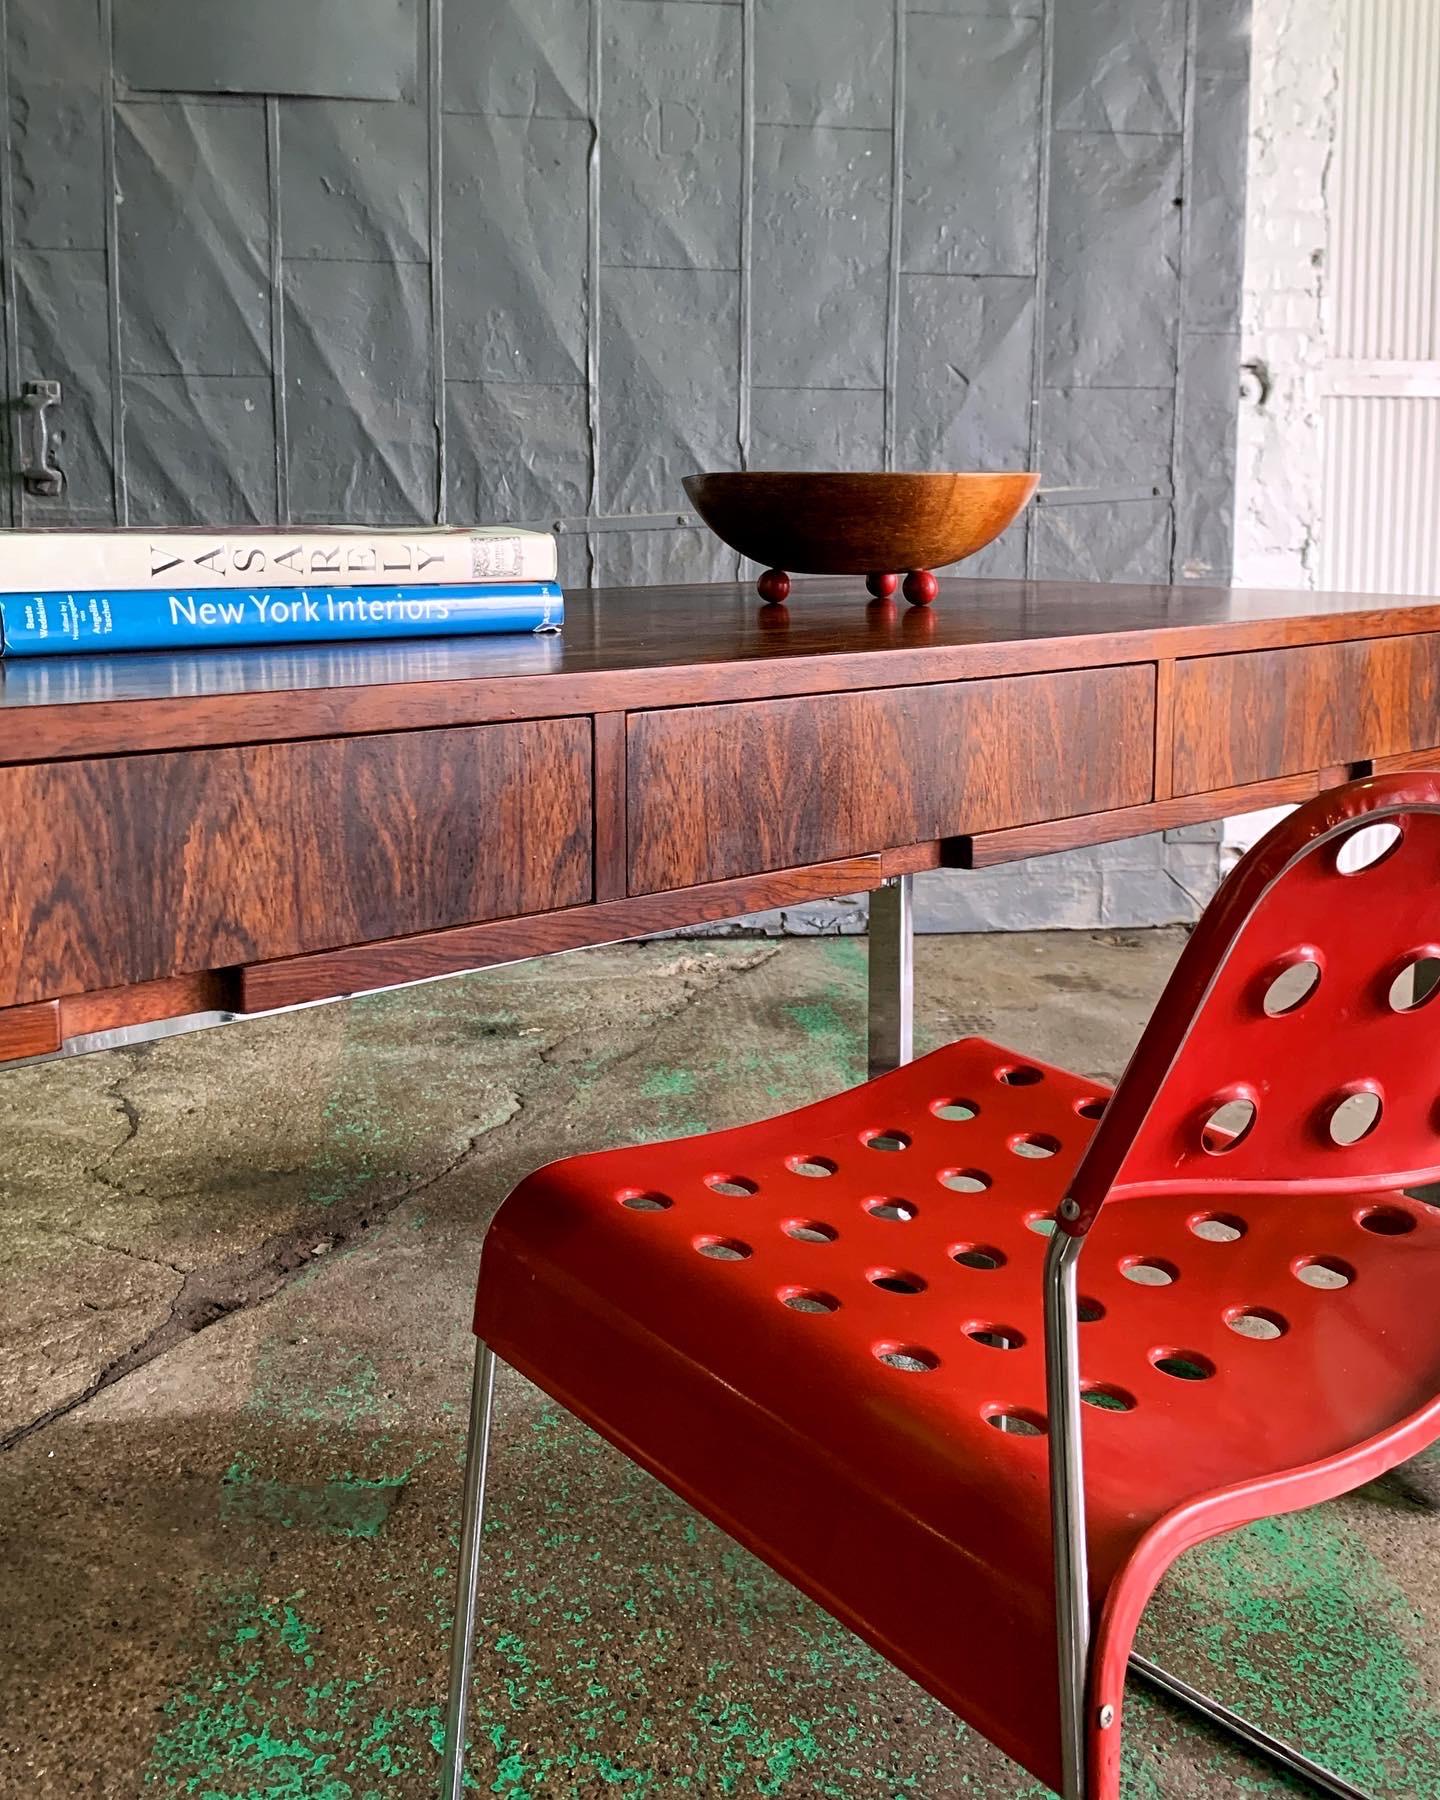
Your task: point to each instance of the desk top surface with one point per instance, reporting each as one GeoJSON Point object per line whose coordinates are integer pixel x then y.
{"type": "Point", "coordinates": [658, 646]}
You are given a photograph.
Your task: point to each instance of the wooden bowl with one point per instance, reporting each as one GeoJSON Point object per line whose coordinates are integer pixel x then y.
{"type": "Point", "coordinates": [857, 524]}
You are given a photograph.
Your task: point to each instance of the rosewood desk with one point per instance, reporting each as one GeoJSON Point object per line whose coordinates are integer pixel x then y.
{"type": "Point", "coordinates": [190, 839]}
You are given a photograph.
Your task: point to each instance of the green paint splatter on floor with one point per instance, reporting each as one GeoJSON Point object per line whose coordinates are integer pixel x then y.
{"type": "Point", "coordinates": [338, 1408]}
{"type": "Point", "coordinates": [557, 1694]}
{"type": "Point", "coordinates": [543, 1690]}
{"type": "Point", "coordinates": [850, 956]}
{"type": "Point", "coordinates": [667, 1084]}
{"type": "Point", "coordinates": [350, 1506]}
{"type": "Point", "coordinates": [1300, 1611]}
{"type": "Point", "coordinates": [258, 1722]}
{"type": "Point", "coordinates": [674, 1094]}
{"type": "Point", "coordinates": [344, 1396]}
{"type": "Point", "coordinates": [594, 1576]}
{"type": "Point", "coordinates": [351, 1158]}
{"type": "Point", "coordinates": [818, 1019]}
{"type": "Point", "coordinates": [359, 1147]}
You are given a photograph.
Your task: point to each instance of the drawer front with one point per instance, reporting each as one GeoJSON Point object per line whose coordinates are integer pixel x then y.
{"type": "Point", "coordinates": [128, 868]}
{"type": "Point", "coordinates": [1283, 712]}
{"type": "Point", "coordinates": [721, 791]}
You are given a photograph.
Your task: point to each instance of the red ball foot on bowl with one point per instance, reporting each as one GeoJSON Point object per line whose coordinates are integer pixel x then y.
{"type": "Point", "coordinates": [773, 586]}
{"type": "Point", "coordinates": [921, 587]}
{"type": "Point", "coordinates": [882, 587]}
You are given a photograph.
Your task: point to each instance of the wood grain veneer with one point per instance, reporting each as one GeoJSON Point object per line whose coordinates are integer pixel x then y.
{"type": "Point", "coordinates": [987, 850]}
{"type": "Point", "coordinates": [1408, 759]}
{"type": "Point", "coordinates": [1254, 716]}
{"type": "Point", "coordinates": [296, 979]}
{"type": "Point", "coordinates": [133, 868]}
{"type": "Point", "coordinates": [722, 791]}
{"type": "Point", "coordinates": [142, 1002]}
{"type": "Point", "coordinates": [660, 647]}
{"type": "Point", "coordinates": [609, 780]}
{"type": "Point", "coordinates": [199, 832]}
{"type": "Point", "coordinates": [29, 1030]}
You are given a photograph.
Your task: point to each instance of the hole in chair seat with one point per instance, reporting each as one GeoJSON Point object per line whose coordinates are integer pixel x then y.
{"type": "Point", "coordinates": [965, 1181]}
{"type": "Point", "coordinates": [1105, 1398]}
{"type": "Point", "coordinates": [1324, 1272]}
{"type": "Point", "coordinates": [1387, 1221]}
{"type": "Point", "coordinates": [1149, 1271]}
{"type": "Point", "coordinates": [897, 1281]}
{"type": "Point", "coordinates": [996, 1337]}
{"type": "Point", "coordinates": [723, 1249]}
{"type": "Point", "coordinates": [1217, 1228]}
{"type": "Point", "coordinates": [1183, 1365]}
{"type": "Point", "coordinates": [897, 1211]}
{"type": "Point", "coordinates": [809, 1300]}
{"type": "Point", "coordinates": [886, 1140]}
{"type": "Point", "coordinates": [810, 1231]}
{"type": "Point", "coordinates": [815, 1167]}
{"type": "Point", "coordinates": [735, 1187]}
{"type": "Point", "coordinates": [1020, 1075]}
{"type": "Point", "coordinates": [978, 1256]}
{"type": "Point", "coordinates": [1016, 1421]}
{"type": "Point", "coordinates": [1257, 1322]}
{"type": "Point", "coordinates": [958, 1111]}
{"type": "Point", "coordinates": [1035, 1144]}
{"type": "Point", "coordinates": [642, 1200]}
{"type": "Point", "coordinates": [912, 1359]}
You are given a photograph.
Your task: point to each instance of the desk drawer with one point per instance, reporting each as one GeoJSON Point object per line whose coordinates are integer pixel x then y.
{"type": "Point", "coordinates": [1282, 712]}
{"type": "Point", "coordinates": [128, 868]}
{"type": "Point", "coordinates": [721, 791]}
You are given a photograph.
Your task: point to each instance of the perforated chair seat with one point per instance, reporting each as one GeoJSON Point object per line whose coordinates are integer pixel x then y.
{"type": "Point", "coordinates": [824, 1331]}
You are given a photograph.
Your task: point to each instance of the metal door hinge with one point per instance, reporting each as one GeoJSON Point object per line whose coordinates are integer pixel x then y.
{"type": "Point", "coordinates": [38, 470]}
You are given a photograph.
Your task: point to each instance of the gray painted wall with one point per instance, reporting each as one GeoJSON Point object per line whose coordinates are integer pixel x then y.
{"type": "Point", "coordinates": [392, 260]}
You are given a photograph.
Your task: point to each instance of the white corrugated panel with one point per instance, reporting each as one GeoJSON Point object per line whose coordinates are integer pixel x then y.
{"type": "Point", "coordinates": [1381, 523]}
{"type": "Point", "coordinates": [1386, 235]}
{"type": "Point", "coordinates": [1382, 494]}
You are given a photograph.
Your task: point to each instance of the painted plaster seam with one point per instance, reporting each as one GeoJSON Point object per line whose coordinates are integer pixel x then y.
{"type": "Point", "coordinates": [279, 398]}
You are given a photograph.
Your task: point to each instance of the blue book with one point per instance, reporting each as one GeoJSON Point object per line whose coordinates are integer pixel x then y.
{"type": "Point", "coordinates": [153, 619]}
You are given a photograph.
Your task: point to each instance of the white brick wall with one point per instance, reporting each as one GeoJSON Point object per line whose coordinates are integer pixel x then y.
{"type": "Point", "coordinates": [1280, 469]}
{"type": "Point", "coordinates": [1295, 78]}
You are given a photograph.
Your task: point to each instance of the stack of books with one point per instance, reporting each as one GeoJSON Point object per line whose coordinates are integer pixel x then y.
{"type": "Point", "coordinates": [68, 591]}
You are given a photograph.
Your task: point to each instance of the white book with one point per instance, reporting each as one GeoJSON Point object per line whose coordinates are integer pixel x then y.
{"type": "Point", "coordinates": [63, 561]}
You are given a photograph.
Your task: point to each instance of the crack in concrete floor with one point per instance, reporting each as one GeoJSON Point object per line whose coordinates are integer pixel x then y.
{"type": "Point", "coordinates": [210, 1293]}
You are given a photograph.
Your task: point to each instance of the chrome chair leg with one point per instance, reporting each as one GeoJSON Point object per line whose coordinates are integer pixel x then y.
{"type": "Point", "coordinates": [462, 1642]}
{"type": "Point", "coordinates": [1067, 1513]}
{"type": "Point", "coordinates": [1273, 1749]}
{"type": "Point", "coordinates": [1067, 1506]}
{"type": "Point", "coordinates": [892, 976]}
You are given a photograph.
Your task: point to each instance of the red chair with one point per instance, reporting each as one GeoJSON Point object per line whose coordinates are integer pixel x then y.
{"type": "Point", "coordinates": [858, 1338]}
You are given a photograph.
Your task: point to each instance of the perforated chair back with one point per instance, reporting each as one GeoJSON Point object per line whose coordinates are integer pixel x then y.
{"type": "Point", "coordinates": [1287, 1052]}
{"type": "Point", "coordinates": [1284, 1060]}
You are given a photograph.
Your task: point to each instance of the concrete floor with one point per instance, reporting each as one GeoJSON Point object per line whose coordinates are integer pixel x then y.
{"type": "Point", "coordinates": [234, 1355]}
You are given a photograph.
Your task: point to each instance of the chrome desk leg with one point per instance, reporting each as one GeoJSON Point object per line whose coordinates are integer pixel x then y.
{"type": "Point", "coordinates": [892, 975]}
{"type": "Point", "coordinates": [1274, 1749]}
{"type": "Point", "coordinates": [477, 1460]}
